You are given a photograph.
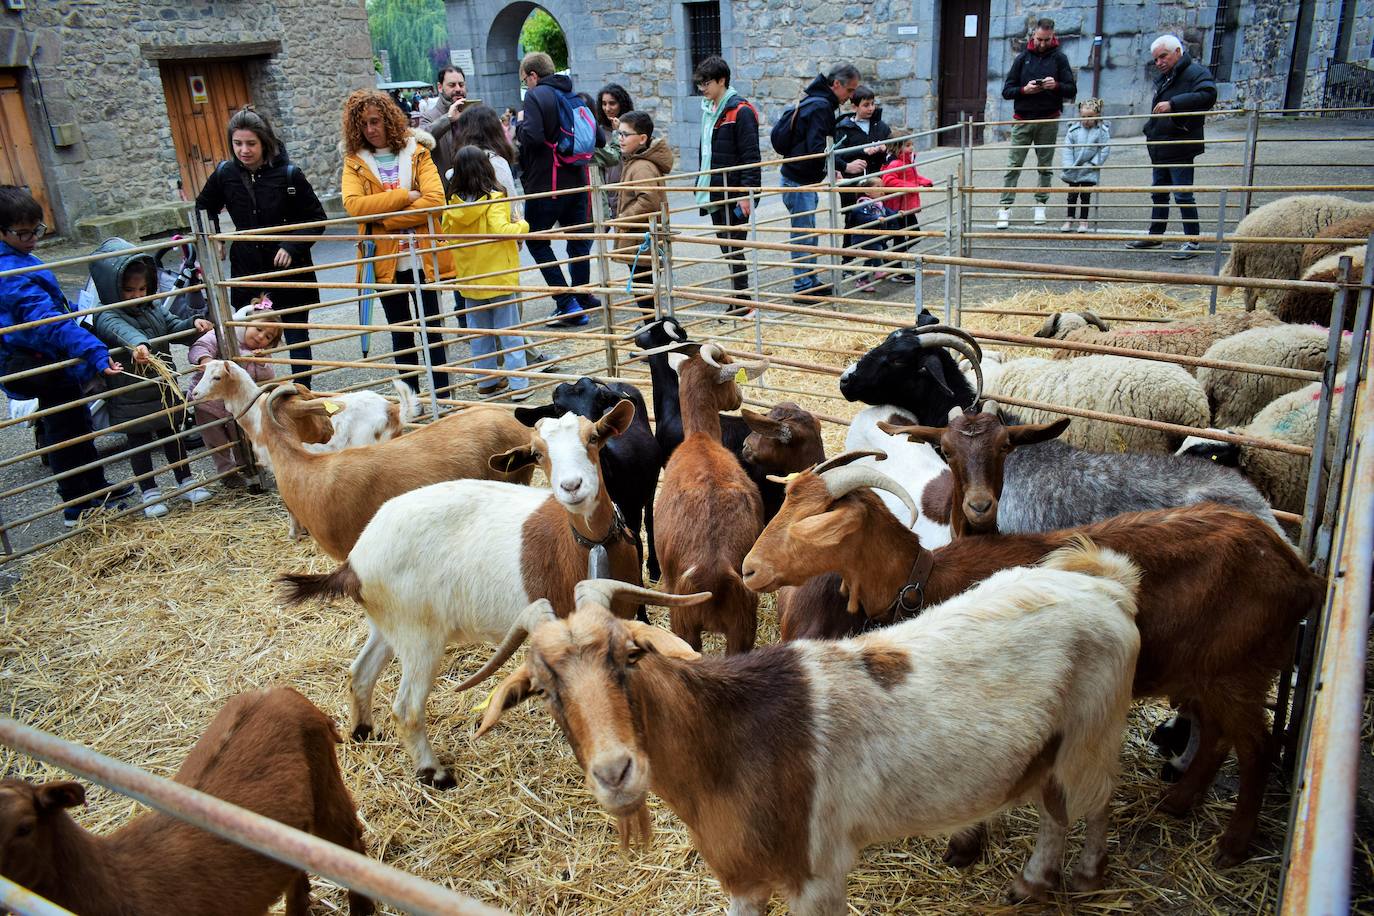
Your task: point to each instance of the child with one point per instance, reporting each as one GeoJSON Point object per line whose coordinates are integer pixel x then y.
{"type": "Point", "coordinates": [1085, 149]}
{"type": "Point", "coordinates": [900, 173]}
{"type": "Point", "coordinates": [475, 180]}
{"type": "Point", "coordinates": [263, 332]}
{"type": "Point", "coordinates": [29, 297]}
{"type": "Point", "coordinates": [644, 162]}
{"type": "Point", "coordinates": [120, 278]}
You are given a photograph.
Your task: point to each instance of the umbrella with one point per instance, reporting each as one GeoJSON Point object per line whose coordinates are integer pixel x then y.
{"type": "Point", "coordinates": [368, 291]}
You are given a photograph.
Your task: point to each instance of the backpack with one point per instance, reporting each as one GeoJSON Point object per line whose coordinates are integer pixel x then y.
{"type": "Point", "coordinates": [781, 136]}
{"type": "Point", "coordinates": [576, 131]}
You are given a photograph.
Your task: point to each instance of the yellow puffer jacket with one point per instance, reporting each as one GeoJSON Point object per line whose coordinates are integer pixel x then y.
{"type": "Point", "coordinates": [500, 258]}
{"type": "Point", "coordinates": [365, 195]}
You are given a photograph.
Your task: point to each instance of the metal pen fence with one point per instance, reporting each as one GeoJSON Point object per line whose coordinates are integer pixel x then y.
{"type": "Point", "coordinates": [690, 266]}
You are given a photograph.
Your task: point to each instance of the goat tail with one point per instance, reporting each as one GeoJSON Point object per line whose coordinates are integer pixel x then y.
{"type": "Point", "coordinates": [409, 403]}
{"type": "Point", "coordinates": [340, 583]}
{"type": "Point", "coordinates": [1081, 555]}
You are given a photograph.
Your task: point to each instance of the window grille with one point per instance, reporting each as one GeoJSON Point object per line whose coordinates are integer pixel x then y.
{"type": "Point", "coordinates": [703, 33]}
{"type": "Point", "coordinates": [1224, 40]}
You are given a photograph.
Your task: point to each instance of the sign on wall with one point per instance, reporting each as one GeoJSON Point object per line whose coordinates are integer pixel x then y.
{"type": "Point", "coordinates": [200, 95]}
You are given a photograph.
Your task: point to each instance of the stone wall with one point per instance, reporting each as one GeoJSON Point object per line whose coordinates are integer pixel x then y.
{"type": "Point", "coordinates": [93, 59]}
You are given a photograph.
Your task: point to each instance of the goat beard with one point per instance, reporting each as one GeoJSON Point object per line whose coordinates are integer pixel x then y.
{"type": "Point", "coordinates": [635, 828]}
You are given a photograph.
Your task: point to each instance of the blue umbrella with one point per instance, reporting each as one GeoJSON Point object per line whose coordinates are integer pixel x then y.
{"type": "Point", "coordinates": [368, 291]}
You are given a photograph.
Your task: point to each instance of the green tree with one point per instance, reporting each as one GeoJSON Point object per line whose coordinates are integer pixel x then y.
{"type": "Point", "coordinates": [413, 32]}
{"type": "Point", "coordinates": [542, 33]}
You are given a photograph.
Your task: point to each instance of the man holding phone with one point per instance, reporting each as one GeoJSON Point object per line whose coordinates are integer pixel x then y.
{"type": "Point", "coordinates": [441, 114]}
{"type": "Point", "coordinates": [1039, 82]}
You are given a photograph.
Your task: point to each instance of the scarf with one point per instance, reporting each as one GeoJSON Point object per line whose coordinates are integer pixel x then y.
{"type": "Point", "coordinates": [709, 113]}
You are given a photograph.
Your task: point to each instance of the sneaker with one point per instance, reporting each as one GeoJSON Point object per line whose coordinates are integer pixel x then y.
{"type": "Point", "coordinates": [1004, 218]}
{"type": "Point", "coordinates": [587, 302]}
{"type": "Point", "coordinates": [152, 508]}
{"type": "Point", "coordinates": [1067, 227]}
{"type": "Point", "coordinates": [521, 394]}
{"type": "Point", "coordinates": [1143, 243]}
{"type": "Point", "coordinates": [117, 500]}
{"type": "Point", "coordinates": [1186, 252]}
{"type": "Point", "coordinates": [193, 442]}
{"type": "Point", "coordinates": [904, 279]}
{"type": "Point", "coordinates": [1084, 227]}
{"type": "Point", "coordinates": [198, 495]}
{"type": "Point", "coordinates": [71, 516]}
{"type": "Point", "coordinates": [572, 317]}
{"type": "Point", "coordinates": [1039, 216]}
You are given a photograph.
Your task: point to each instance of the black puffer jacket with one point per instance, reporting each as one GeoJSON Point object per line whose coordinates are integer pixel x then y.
{"type": "Point", "coordinates": [735, 141]}
{"type": "Point", "coordinates": [1032, 65]}
{"type": "Point", "coordinates": [276, 194]}
{"type": "Point", "coordinates": [815, 122]}
{"type": "Point", "coordinates": [536, 130]}
{"type": "Point", "coordinates": [1188, 86]}
{"type": "Point", "coordinates": [849, 133]}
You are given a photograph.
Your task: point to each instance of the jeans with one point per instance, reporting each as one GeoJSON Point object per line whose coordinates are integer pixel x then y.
{"type": "Point", "coordinates": [1024, 134]}
{"type": "Point", "coordinates": [396, 305]}
{"type": "Point", "coordinates": [724, 215]}
{"type": "Point", "coordinates": [53, 389]}
{"type": "Point", "coordinates": [1163, 176]}
{"type": "Point", "coordinates": [1082, 198]}
{"type": "Point", "coordinates": [801, 205]}
{"type": "Point", "coordinates": [568, 212]}
{"type": "Point", "coordinates": [492, 314]}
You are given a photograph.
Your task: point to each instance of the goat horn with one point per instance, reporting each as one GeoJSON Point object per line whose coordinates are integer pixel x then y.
{"type": "Point", "coordinates": [929, 329]}
{"type": "Point", "coordinates": [990, 406]}
{"type": "Point", "coordinates": [533, 615]}
{"type": "Point", "coordinates": [752, 369]}
{"type": "Point", "coordinates": [840, 461]}
{"type": "Point", "coordinates": [276, 393]}
{"type": "Point", "coordinates": [843, 481]}
{"type": "Point", "coordinates": [605, 591]}
{"type": "Point", "coordinates": [974, 356]}
{"type": "Point", "coordinates": [711, 354]}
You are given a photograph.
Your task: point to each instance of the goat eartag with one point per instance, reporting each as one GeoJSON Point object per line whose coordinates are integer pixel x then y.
{"type": "Point", "coordinates": [482, 706]}
{"type": "Point", "coordinates": [331, 407]}
{"type": "Point", "coordinates": [741, 377]}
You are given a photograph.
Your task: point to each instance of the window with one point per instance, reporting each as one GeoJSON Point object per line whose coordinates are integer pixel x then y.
{"type": "Point", "coordinates": [703, 33]}
{"type": "Point", "coordinates": [1224, 40]}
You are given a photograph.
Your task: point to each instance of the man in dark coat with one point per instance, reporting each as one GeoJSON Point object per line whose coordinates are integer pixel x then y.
{"type": "Point", "coordinates": [729, 137]}
{"type": "Point", "coordinates": [810, 125]}
{"type": "Point", "coordinates": [1183, 85]}
{"type": "Point", "coordinates": [1039, 82]}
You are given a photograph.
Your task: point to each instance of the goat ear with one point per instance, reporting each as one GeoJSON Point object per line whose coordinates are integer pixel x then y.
{"type": "Point", "coordinates": [1050, 328]}
{"type": "Point", "coordinates": [1031, 433]}
{"type": "Point", "coordinates": [1093, 320]}
{"type": "Point", "coordinates": [928, 434]}
{"type": "Point", "coordinates": [616, 420]}
{"type": "Point", "coordinates": [514, 689]}
{"type": "Point", "coordinates": [657, 639]}
{"type": "Point", "coordinates": [52, 796]}
{"type": "Point", "coordinates": [827, 530]}
{"type": "Point", "coordinates": [532, 415]}
{"type": "Point", "coordinates": [518, 458]}
{"type": "Point", "coordinates": [764, 426]}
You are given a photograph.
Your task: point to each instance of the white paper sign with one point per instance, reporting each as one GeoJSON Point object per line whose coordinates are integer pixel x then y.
{"type": "Point", "coordinates": [908, 30]}
{"type": "Point", "coordinates": [971, 25]}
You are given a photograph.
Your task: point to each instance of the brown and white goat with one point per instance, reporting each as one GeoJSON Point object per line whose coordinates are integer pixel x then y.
{"type": "Point", "coordinates": [1220, 597]}
{"type": "Point", "coordinates": [269, 751]}
{"type": "Point", "coordinates": [458, 562]}
{"type": "Point", "coordinates": [708, 511]}
{"type": "Point", "coordinates": [335, 495]}
{"type": "Point", "coordinates": [786, 762]}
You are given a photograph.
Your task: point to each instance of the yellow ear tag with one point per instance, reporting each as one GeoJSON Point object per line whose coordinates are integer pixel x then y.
{"type": "Point", "coordinates": [741, 377]}
{"type": "Point", "coordinates": [332, 407]}
{"type": "Point", "coordinates": [482, 706]}
{"type": "Point", "coordinates": [790, 477]}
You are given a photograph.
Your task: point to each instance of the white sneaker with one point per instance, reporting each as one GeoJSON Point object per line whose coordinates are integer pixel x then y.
{"type": "Point", "coordinates": [1067, 227]}
{"type": "Point", "coordinates": [1084, 227]}
{"type": "Point", "coordinates": [198, 495]}
{"type": "Point", "coordinates": [1004, 218]}
{"type": "Point", "coordinates": [152, 508]}
{"type": "Point", "coordinates": [1039, 216]}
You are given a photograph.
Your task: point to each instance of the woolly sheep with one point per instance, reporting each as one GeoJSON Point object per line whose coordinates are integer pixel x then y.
{"type": "Point", "coordinates": [1112, 384]}
{"type": "Point", "coordinates": [1235, 396]}
{"type": "Point", "coordinates": [1301, 216]}
{"type": "Point", "coordinates": [1185, 337]}
{"type": "Point", "coordinates": [1281, 477]}
{"type": "Point", "coordinates": [1307, 307]}
{"type": "Point", "coordinates": [1357, 227]}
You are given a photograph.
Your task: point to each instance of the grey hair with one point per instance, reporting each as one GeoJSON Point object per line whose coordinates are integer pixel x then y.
{"type": "Point", "coordinates": [1167, 42]}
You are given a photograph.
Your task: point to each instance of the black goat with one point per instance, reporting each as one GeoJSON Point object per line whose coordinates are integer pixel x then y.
{"type": "Point", "coordinates": [910, 370]}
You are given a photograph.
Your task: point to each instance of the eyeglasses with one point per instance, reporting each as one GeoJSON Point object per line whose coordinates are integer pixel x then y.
{"type": "Point", "coordinates": [24, 235]}
{"type": "Point", "coordinates": [628, 133]}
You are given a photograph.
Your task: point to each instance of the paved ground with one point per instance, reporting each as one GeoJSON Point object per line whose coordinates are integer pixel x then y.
{"type": "Point", "coordinates": [1307, 152]}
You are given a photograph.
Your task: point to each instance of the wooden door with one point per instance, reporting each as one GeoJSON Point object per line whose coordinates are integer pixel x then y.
{"type": "Point", "coordinates": [18, 157]}
{"type": "Point", "coordinates": [963, 64]}
{"type": "Point", "coordinates": [201, 96]}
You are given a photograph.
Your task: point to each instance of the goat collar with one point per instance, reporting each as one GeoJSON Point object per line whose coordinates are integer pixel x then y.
{"type": "Point", "coordinates": [911, 598]}
{"type": "Point", "coordinates": [618, 529]}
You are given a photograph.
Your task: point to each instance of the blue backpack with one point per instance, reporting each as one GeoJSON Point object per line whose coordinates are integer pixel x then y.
{"type": "Point", "coordinates": [576, 131]}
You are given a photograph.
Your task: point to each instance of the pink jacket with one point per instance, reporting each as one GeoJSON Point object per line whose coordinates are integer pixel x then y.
{"type": "Point", "coordinates": [208, 345]}
{"type": "Point", "coordinates": [900, 172]}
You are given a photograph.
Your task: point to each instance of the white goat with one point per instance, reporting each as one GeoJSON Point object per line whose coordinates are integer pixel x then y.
{"type": "Point", "coordinates": [915, 465]}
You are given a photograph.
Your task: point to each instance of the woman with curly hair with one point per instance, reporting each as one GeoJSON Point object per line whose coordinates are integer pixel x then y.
{"type": "Point", "coordinates": [388, 170]}
{"type": "Point", "coordinates": [612, 102]}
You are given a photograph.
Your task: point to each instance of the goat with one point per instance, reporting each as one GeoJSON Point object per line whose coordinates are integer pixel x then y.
{"type": "Point", "coordinates": [269, 751]}
{"type": "Point", "coordinates": [785, 440]}
{"type": "Point", "coordinates": [630, 462]}
{"type": "Point", "coordinates": [910, 370]}
{"type": "Point", "coordinates": [709, 511]}
{"type": "Point", "coordinates": [334, 495]}
{"type": "Point", "coordinates": [786, 762]}
{"type": "Point", "coordinates": [492, 548]}
{"type": "Point", "coordinates": [1214, 635]}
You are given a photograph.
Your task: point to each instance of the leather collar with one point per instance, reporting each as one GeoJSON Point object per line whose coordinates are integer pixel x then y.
{"type": "Point", "coordinates": [618, 529]}
{"type": "Point", "coordinates": [911, 598]}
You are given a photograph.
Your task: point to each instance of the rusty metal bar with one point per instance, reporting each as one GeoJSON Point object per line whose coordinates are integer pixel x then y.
{"type": "Point", "coordinates": [311, 854]}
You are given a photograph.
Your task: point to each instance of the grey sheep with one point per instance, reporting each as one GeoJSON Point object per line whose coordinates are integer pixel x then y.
{"type": "Point", "coordinates": [1234, 396]}
{"type": "Point", "coordinates": [1184, 337]}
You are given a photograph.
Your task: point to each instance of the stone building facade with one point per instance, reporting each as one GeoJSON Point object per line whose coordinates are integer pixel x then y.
{"type": "Point", "coordinates": [108, 90]}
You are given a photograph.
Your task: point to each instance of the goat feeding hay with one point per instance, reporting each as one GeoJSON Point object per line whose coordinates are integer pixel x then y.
{"type": "Point", "coordinates": [128, 639]}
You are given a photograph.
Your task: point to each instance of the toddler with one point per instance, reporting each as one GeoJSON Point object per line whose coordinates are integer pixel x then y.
{"type": "Point", "coordinates": [1085, 149]}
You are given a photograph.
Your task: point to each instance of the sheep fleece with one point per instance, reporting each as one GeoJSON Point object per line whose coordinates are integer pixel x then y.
{"type": "Point", "coordinates": [1235, 397]}
{"type": "Point", "coordinates": [1299, 216]}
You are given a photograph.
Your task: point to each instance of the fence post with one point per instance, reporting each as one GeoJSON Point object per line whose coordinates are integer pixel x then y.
{"type": "Point", "coordinates": [664, 231]}
{"type": "Point", "coordinates": [837, 238]}
{"type": "Point", "coordinates": [1216, 255]}
{"type": "Point", "coordinates": [757, 282]}
{"type": "Point", "coordinates": [221, 312]}
{"type": "Point", "coordinates": [603, 270]}
{"type": "Point", "coordinates": [417, 276]}
{"type": "Point", "coordinates": [1251, 156]}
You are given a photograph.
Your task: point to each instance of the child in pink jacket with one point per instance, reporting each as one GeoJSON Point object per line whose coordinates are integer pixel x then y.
{"type": "Point", "coordinates": [900, 172]}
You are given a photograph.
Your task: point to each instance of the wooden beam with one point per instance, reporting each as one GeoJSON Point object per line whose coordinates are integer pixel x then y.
{"type": "Point", "coordinates": [219, 49]}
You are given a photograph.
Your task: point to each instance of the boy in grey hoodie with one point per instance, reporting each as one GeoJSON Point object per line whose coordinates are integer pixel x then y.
{"type": "Point", "coordinates": [1086, 145]}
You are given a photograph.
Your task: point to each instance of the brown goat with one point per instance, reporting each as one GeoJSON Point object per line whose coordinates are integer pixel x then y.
{"type": "Point", "coordinates": [785, 441]}
{"type": "Point", "coordinates": [1357, 227]}
{"type": "Point", "coordinates": [335, 494]}
{"type": "Point", "coordinates": [1301, 306]}
{"type": "Point", "coordinates": [1213, 633]}
{"type": "Point", "coordinates": [708, 510]}
{"type": "Point", "coordinates": [269, 751]}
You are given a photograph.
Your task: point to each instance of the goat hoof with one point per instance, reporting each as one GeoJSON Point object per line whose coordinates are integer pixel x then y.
{"type": "Point", "coordinates": [962, 855]}
{"type": "Point", "coordinates": [362, 732]}
{"type": "Point", "coordinates": [1087, 882]}
{"type": "Point", "coordinates": [1023, 890]}
{"type": "Point", "coordinates": [1177, 804]}
{"type": "Point", "coordinates": [1230, 853]}
{"type": "Point", "coordinates": [442, 780]}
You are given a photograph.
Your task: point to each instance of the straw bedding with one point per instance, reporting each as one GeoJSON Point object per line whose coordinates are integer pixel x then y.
{"type": "Point", "coordinates": [128, 640]}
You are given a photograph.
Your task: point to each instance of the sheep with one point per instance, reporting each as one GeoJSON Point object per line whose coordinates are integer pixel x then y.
{"type": "Point", "coordinates": [1185, 337]}
{"type": "Point", "coordinates": [334, 495]}
{"type": "Point", "coordinates": [492, 548]}
{"type": "Point", "coordinates": [1280, 476]}
{"type": "Point", "coordinates": [1311, 307]}
{"type": "Point", "coordinates": [269, 751]}
{"type": "Point", "coordinates": [709, 511]}
{"type": "Point", "coordinates": [630, 462]}
{"type": "Point", "coordinates": [1299, 216]}
{"type": "Point", "coordinates": [1357, 227]}
{"type": "Point", "coordinates": [1234, 396]}
{"type": "Point", "coordinates": [785, 764]}
{"type": "Point", "coordinates": [1214, 635]}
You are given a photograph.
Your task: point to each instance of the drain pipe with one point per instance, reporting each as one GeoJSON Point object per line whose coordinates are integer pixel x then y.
{"type": "Point", "coordinates": [1098, 42]}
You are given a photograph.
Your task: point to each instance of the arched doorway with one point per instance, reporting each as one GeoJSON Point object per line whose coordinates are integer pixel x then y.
{"type": "Point", "coordinates": [502, 77]}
